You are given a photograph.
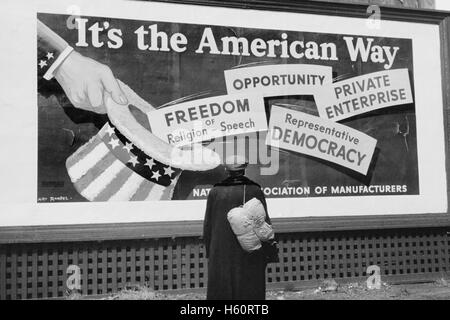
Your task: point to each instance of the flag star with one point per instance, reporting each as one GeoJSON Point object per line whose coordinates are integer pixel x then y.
{"type": "Point", "coordinates": [150, 163]}
{"type": "Point", "coordinates": [109, 130]}
{"type": "Point", "coordinates": [156, 175]}
{"type": "Point", "coordinates": [133, 160]}
{"type": "Point", "coordinates": [42, 64]}
{"type": "Point", "coordinates": [128, 146]}
{"type": "Point", "coordinates": [168, 171]}
{"type": "Point", "coordinates": [114, 143]}
{"type": "Point", "coordinates": [49, 55]}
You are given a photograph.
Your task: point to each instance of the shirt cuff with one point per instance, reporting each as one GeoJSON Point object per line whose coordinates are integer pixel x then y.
{"type": "Point", "coordinates": [59, 60]}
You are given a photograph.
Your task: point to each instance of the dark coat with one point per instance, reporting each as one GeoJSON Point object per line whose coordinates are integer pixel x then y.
{"type": "Point", "coordinates": [232, 272]}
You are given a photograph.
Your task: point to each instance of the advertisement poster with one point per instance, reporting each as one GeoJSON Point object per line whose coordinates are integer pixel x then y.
{"type": "Point", "coordinates": [219, 86]}
{"type": "Point", "coordinates": [136, 111]}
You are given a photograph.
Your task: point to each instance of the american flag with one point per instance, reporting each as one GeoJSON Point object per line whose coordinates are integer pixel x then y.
{"type": "Point", "coordinates": [110, 168]}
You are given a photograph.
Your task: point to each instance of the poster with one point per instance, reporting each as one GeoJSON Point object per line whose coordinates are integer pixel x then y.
{"type": "Point", "coordinates": [246, 74]}
{"type": "Point", "coordinates": [142, 111]}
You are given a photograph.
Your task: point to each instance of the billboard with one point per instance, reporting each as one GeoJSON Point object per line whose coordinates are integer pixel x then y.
{"type": "Point", "coordinates": [136, 107]}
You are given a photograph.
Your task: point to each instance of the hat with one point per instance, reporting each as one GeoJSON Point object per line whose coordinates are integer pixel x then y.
{"type": "Point", "coordinates": [236, 163]}
{"type": "Point", "coordinates": [125, 162]}
{"type": "Point", "coordinates": [110, 168]}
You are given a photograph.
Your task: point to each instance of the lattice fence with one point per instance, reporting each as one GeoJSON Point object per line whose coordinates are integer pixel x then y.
{"type": "Point", "coordinates": [40, 270]}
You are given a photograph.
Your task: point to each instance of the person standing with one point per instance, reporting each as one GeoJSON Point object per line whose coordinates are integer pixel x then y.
{"type": "Point", "coordinates": [233, 274]}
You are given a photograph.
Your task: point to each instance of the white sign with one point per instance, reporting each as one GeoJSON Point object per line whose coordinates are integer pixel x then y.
{"type": "Point", "coordinates": [209, 118]}
{"type": "Point", "coordinates": [324, 139]}
{"type": "Point", "coordinates": [364, 94]}
{"type": "Point", "coordinates": [21, 120]}
{"type": "Point", "coordinates": [278, 80]}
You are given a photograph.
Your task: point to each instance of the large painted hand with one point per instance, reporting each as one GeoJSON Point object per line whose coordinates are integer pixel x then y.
{"type": "Point", "coordinates": [86, 81]}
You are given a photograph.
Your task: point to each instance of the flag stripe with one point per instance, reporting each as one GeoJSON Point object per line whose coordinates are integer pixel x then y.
{"type": "Point", "coordinates": [115, 185]}
{"type": "Point", "coordinates": [95, 171]}
{"type": "Point", "coordinates": [128, 189]}
{"type": "Point", "coordinates": [96, 186]}
{"type": "Point", "coordinates": [167, 194]}
{"type": "Point", "coordinates": [83, 151]}
{"type": "Point", "coordinates": [156, 192]}
{"type": "Point", "coordinates": [83, 165]}
{"type": "Point", "coordinates": [143, 191]}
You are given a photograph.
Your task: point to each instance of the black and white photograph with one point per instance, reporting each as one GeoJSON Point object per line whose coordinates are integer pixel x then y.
{"type": "Point", "coordinates": [228, 151]}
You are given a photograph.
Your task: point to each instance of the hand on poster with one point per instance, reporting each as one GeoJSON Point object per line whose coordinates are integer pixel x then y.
{"type": "Point", "coordinates": [86, 81]}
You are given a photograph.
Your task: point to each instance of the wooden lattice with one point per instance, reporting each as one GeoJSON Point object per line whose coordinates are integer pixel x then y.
{"type": "Point", "coordinates": [40, 270]}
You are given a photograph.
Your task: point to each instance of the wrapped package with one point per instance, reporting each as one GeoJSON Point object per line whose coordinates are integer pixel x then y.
{"type": "Point", "coordinates": [257, 214]}
{"type": "Point", "coordinates": [249, 225]}
{"type": "Point", "coordinates": [243, 229]}
{"type": "Point", "coordinates": [264, 232]}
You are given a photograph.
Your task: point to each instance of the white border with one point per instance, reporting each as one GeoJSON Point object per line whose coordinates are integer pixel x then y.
{"type": "Point", "coordinates": [18, 110]}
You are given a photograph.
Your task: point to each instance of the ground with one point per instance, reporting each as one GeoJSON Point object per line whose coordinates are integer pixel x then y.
{"type": "Point", "coordinates": [438, 290]}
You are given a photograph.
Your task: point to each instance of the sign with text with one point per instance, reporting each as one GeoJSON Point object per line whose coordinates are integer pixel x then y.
{"type": "Point", "coordinates": [323, 139]}
{"type": "Point", "coordinates": [363, 94]}
{"type": "Point", "coordinates": [126, 113]}
{"type": "Point", "coordinates": [209, 118]}
{"type": "Point", "coordinates": [278, 80]}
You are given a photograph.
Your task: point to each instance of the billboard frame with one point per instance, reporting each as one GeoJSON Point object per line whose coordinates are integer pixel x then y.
{"type": "Point", "coordinates": [141, 230]}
